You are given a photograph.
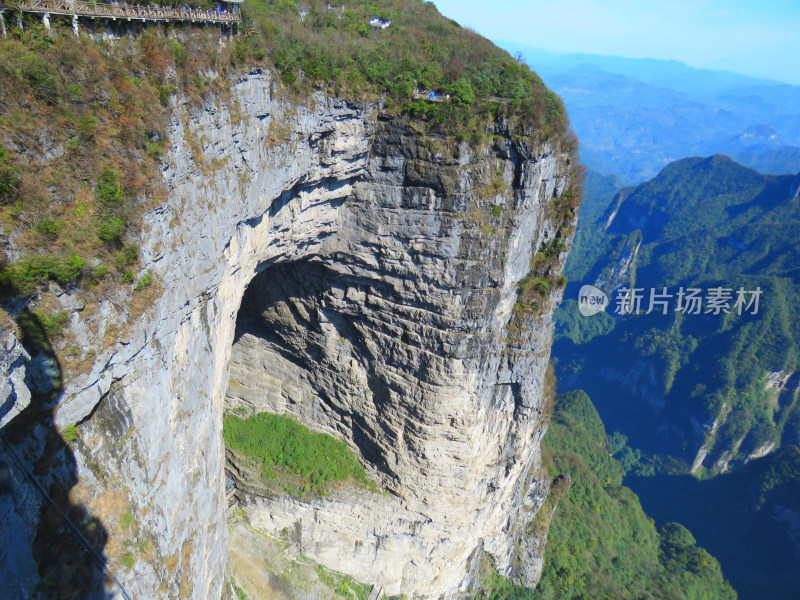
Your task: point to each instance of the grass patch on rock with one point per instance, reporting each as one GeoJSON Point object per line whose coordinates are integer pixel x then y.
{"type": "Point", "coordinates": [285, 446]}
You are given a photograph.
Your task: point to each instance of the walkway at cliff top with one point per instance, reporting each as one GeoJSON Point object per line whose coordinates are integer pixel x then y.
{"type": "Point", "coordinates": [127, 12]}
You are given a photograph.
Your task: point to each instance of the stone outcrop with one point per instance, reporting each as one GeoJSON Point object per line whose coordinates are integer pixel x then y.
{"type": "Point", "coordinates": [393, 334]}
{"type": "Point", "coordinates": [359, 275]}
{"type": "Point", "coordinates": [15, 395]}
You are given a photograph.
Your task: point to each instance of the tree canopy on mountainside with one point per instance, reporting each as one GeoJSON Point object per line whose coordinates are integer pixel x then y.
{"type": "Point", "coordinates": [600, 543]}
{"type": "Point", "coordinates": [703, 223]}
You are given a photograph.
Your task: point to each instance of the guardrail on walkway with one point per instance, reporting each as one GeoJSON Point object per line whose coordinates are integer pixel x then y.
{"type": "Point", "coordinates": [123, 11]}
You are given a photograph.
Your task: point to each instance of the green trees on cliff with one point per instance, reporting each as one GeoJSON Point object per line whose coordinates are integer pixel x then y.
{"type": "Point", "coordinates": [95, 111]}
{"type": "Point", "coordinates": [420, 50]}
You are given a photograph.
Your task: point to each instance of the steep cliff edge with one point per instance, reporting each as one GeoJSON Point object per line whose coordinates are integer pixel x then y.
{"type": "Point", "coordinates": [380, 292]}
{"type": "Point", "coordinates": [393, 334]}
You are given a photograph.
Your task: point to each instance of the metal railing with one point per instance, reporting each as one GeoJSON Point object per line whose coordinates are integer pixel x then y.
{"type": "Point", "coordinates": [122, 10]}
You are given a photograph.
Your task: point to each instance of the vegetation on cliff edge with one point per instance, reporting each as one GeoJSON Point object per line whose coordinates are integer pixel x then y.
{"type": "Point", "coordinates": [420, 50]}
{"type": "Point", "coordinates": [83, 125]}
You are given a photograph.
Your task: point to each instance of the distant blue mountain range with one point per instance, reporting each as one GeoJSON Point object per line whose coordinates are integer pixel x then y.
{"type": "Point", "coordinates": [634, 116]}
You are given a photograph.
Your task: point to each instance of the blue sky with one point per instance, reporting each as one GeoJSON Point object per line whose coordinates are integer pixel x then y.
{"type": "Point", "coordinates": [760, 38]}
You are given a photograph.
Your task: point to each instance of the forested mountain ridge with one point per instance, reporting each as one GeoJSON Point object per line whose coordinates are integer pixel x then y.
{"type": "Point", "coordinates": [714, 388]}
{"type": "Point", "coordinates": [690, 390]}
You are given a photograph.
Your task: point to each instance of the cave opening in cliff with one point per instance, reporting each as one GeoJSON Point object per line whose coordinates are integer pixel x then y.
{"type": "Point", "coordinates": [301, 350]}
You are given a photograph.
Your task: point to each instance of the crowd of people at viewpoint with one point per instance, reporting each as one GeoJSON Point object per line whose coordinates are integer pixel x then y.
{"type": "Point", "coordinates": [219, 10]}
{"type": "Point", "coordinates": [185, 8]}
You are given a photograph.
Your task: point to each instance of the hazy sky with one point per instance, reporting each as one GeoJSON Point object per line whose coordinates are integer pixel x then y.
{"type": "Point", "coordinates": [754, 37]}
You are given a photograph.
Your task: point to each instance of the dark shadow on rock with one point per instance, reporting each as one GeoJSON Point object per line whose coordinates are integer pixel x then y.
{"type": "Point", "coordinates": [52, 548]}
{"type": "Point", "coordinates": [284, 299]}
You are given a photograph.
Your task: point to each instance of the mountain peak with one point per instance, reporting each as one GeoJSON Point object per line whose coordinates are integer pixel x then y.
{"type": "Point", "coordinates": [722, 161]}
{"type": "Point", "coordinates": [716, 164]}
{"type": "Point", "coordinates": [760, 131]}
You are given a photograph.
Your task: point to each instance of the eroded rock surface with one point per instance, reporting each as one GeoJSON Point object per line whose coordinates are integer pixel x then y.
{"type": "Point", "coordinates": [15, 395]}
{"type": "Point", "coordinates": [394, 335]}
{"type": "Point", "coordinates": [379, 284]}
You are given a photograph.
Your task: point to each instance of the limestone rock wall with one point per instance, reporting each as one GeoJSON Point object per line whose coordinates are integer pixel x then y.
{"type": "Point", "coordinates": [15, 393]}
{"type": "Point", "coordinates": [394, 335]}
{"type": "Point", "coordinates": [389, 331]}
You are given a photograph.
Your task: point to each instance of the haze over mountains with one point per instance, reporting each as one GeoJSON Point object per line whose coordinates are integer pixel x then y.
{"type": "Point", "coordinates": [634, 116]}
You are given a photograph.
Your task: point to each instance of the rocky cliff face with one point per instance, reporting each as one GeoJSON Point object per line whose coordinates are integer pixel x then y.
{"type": "Point", "coordinates": [349, 270]}
{"type": "Point", "coordinates": [14, 390]}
